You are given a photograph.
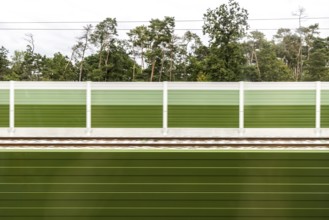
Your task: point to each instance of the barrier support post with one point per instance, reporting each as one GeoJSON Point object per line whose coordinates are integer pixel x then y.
{"type": "Point", "coordinates": [318, 109]}
{"type": "Point", "coordinates": [241, 108]}
{"type": "Point", "coordinates": [88, 108]}
{"type": "Point", "coordinates": [12, 107]}
{"type": "Point", "coordinates": [165, 109]}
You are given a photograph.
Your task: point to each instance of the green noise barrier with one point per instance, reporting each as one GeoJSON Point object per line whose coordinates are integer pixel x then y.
{"type": "Point", "coordinates": [219, 106]}
{"type": "Point", "coordinates": [164, 185]}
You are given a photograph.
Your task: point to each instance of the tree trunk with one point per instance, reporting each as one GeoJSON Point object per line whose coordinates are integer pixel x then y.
{"type": "Point", "coordinates": [161, 68]}
{"type": "Point", "coordinates": [68, 63]}
{"type": "Point", "coordinates": [142, 57]}
{"type": "Point", "coordinates": [171, 65]}
{"type": "Point", "coordinates": [80, 72]}
{"type": "Point", "coordinates": [300, 62]}
{"type": "Point", "coordinates": [257, 65]}
{"type": "Point", "coordinates": [107, 59]}
{"type": "Point", "coordinates": [82, 58]}
{"type": "Point", "coordinates": [100, 57]}
{"type": "Point", "coordinates": [153, 67]}
{"type": "Point", "coordinates": [134, 69]}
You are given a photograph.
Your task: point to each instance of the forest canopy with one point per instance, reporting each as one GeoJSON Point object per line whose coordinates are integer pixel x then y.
{"type": "Point", "coordinates": [155, 52]}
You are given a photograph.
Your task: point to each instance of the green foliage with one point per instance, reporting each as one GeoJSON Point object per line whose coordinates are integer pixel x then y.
{"type": "Point", "coordinates": [316, 67]}
{"type": "Point", "coordinates": [225, 24]}
{"type": "Point", "coordinates": [271, 68]}
{"type": "Point", "coordinates": [59, 68]}
{"type": "Point", "coordinates": [119, 68]}
{"type": "Point", "coordinates": [104, 33]}
{"type": "Point", "coordinates": [4, 63]}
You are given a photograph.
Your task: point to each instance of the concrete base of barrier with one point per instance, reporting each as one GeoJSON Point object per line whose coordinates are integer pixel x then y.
{"type": "Point", "coordinates": [159, 132]}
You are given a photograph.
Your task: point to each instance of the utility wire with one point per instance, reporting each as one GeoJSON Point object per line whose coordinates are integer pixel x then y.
{"type": "Point", "coordinates": [144, 21]}
{"type": "Point", "coordinates": [128, 29]}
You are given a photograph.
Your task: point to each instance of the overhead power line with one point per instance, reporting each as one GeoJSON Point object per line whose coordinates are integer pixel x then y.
{"type": "Point", "coordinates": [128, 29]}
{"type": "Point", "coordinates": [144, 21]}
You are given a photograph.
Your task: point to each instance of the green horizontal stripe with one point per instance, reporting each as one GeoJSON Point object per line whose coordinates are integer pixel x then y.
{"type": "Point", "coordinates": [128, 97]}
{"type": "Point", "coordinates": [50, 97]}
{"type": "Point", "coordinates": [194, 116]}
{"type": "Point", "coordinates": [292, 191]}
{"type": "Point", "coordinates": [165, 212]}
{"type": "Point", "coordinates": [291, 116]}
{"type": "Point", "coordinates": [203, 97]}
{"type": "Point", "coordinates": [282, 97]}
{"type": "Point", "coordinates": [168, 163]}
{"type": "Point", "coordinates": [202, 171]}
{"type": "Point", "coordinates": [160, 179]}
{"type": "Point", "coordinates": [126, 116]}
{"type": "Point", "coordinates": [4, 115]}
{"type": "Point", "coordinates": [50, 116]}
{"type": "Point", "coordinates": [325, 116]}
{"type": "Point", "coordinates": [153, 203]}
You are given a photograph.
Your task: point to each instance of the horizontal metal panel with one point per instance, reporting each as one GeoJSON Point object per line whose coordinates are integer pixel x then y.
{"type": "Point", "coordinates": [50, 116]}
{"type": "Point", "coordinates": [4, 85]}
{"type": "Point", "coordinates": [192, 97]}
{"type": "Point", "coordinates": [45, 85]}
{"type": "Point", "coordinates": [286, 116]}
{"type": "Point", "coordinates": [164, 185]}
{"type": "Point", "coordinates": [325, 97]}
{"type": "Point", "coordinates": [50, 97]}
{"type": "Point", "coordinates": [203, 85]}
{"type": "Point", "coordinates": [125, 116]}
{"type": "Point", "coordinates": [126, 86]}
{"type": "Point", "coordinates": [280, 85]}
{"type": "Point", "coordinates": [203, 116]}
{"type": "Point", "coordinates": [129, 97]}
{"type": "Point", "coordinates": [324, 85]}
{"type": "Point", "coordinates": [286, 97]}
{"type": "Point", "coordinates": [4, 97]}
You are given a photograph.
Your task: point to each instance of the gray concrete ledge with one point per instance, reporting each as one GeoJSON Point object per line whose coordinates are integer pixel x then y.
{"type": "Point", "coordinates": [159, 132]}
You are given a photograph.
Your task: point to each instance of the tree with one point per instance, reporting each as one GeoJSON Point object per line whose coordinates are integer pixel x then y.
{"type": "Point", "coordinates": [59, 68]}
{"type": "Point", "coordinates": [299, 67]}
{"type": "Point", "coordinates": [310, 34]}
{"type": "Point", "coordinates": [139, 38]}
{"type": "Point", "coordinates": [27, 65]}
{"type": "Point", "coordinates": [161, 33]}
{"type": "Point", "coordinates": [317, 66]}
{"type": "Point", "coordinates": [256, 41]}
{"type": "Point", "coordinates": [103, 36]}
{"type": "Point", "coordinates": [288, 46]}
{"type": "Point", "coordinates": [185, 48]}
{"type": "Point", "coordinates": [271, 68]}
{"type": "Point", "coordinates": [120, 65]}
{"type": "Point", "coordinates": [225, 26]}
{"type": "Point", "coordinates": [4, 64]}
{"type": "Point", "coordinates": [81, 47]}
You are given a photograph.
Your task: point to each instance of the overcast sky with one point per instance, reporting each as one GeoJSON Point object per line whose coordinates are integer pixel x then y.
{"type": "Point", "coordinates": [49, 42]}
